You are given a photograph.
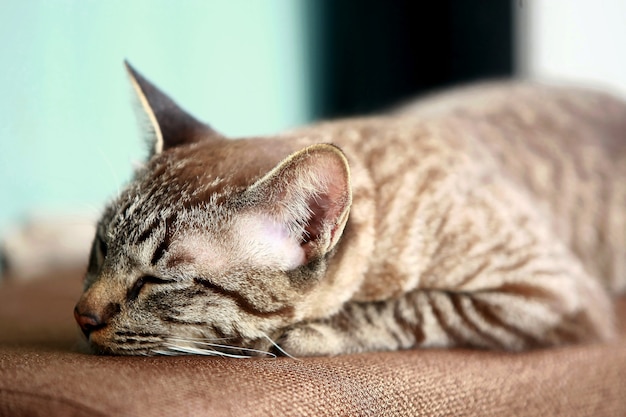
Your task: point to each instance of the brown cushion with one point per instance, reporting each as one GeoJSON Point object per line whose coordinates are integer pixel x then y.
{"type": "Point", "coordinates": [43, 374]}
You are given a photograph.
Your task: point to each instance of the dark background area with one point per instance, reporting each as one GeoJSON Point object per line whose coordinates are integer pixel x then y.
{"type": "Point", "coordinates": [370, 54]}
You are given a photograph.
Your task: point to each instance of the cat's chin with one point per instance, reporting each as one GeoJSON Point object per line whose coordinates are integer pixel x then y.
{"type": "Point", "coordinates": [96, 349]}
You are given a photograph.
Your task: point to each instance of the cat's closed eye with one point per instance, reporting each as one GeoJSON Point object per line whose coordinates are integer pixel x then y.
{"type": "Point", "coordinates": [140, 284]}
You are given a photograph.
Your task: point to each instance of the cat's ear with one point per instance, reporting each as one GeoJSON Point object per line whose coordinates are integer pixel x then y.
{"type": "Point", "coordinates": [308, 195]}
{"type": "Point", "coordinates": [171, 125]}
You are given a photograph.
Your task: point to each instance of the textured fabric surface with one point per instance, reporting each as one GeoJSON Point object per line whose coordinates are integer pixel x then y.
{"type": "Point", "coordinates": [42, 373]}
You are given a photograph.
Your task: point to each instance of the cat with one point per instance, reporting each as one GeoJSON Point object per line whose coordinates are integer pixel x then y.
{"type": "Point", "coordinates": [490, 217]}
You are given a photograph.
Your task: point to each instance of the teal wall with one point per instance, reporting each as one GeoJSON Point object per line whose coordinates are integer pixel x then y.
{"type": "Point", "coordinates": [68, 134]}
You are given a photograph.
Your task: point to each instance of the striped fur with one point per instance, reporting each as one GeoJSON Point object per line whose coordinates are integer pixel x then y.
{"type": "Point", "coordinates": [491, 217]}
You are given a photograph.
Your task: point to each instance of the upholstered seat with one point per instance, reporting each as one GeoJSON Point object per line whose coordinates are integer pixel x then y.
{"type": "Point", "coordinates": [42, 373]}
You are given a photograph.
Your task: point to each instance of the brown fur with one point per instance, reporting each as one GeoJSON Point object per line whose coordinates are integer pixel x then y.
{"type": "Point", "coordinates": [490, 217]}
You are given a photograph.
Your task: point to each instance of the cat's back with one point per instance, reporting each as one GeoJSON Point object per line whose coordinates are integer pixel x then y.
{"type": "Point", "coordinates": [566, 146]}
{"type": "Point", "coordinates": [564, 117]}
{"type": "Point", "coordinates": [519, 123]}
{"type": "Point", "coordinates": [563, 147]}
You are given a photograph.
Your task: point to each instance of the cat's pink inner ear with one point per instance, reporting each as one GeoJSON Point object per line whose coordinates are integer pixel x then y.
{"type": "Point", "coordinates": [327, 207]}
{"type": "Point", "coordinates": [311, 195]}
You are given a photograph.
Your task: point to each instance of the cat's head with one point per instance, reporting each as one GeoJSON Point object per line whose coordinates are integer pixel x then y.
{"type": "Point", "coordinates": [215, 242]}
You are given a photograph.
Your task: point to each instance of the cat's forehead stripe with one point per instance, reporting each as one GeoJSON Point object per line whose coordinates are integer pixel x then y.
{"type": "Point", "coordinates": [164, 245]}
{"type": "Point", "coordinates": [149, 231]}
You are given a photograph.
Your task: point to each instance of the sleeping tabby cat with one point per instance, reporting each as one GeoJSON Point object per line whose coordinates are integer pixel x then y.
{"type": "Point", "coordinates": [490, 217]}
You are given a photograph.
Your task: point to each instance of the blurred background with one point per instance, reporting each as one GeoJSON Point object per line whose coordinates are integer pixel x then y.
{"type": "Point", "coordinates": [68, 136]}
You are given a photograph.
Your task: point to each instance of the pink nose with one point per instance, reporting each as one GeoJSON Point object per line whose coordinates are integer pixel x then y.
{"type": "Point", "coordinates": [87, 322]}
{"type": "Point", "coordinates": [92, 316]}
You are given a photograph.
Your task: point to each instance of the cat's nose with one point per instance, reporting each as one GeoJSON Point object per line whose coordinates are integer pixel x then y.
{"type": "Point", "coordinates": [88, 322]}
{"type": "Point", "coordinates": [91, 319]}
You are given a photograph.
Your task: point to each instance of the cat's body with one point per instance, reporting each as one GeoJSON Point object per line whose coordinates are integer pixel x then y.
{"type": "Point", "coordinates": [490, 218]}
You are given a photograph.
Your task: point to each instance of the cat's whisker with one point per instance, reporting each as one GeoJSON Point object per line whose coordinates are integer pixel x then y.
{"type": "Point", "coordinates": [164, 352]}
{"type": "Point", "coordinates": [221, 346]}
{"type": "Point", "coordinates": [277, 346]}
{"type": "Point", "coordinates": [192, 350]}
{"type": "Point", "coordinates": [172, 349]}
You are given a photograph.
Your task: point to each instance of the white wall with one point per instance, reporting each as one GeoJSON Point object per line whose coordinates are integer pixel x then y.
{"type": "Point", "coordinates": [573, 40]}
